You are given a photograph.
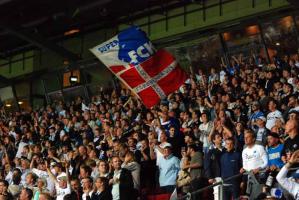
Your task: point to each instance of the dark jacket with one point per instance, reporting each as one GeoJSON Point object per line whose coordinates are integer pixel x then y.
{"type": "Point", "coordinates": [231, 163]}
{"type": "Point", "coordinates": [212, 163]}
{"type": "Point", "coordinates": [105, 195]}
{"type": "Point", "coordinates": [126, 185]}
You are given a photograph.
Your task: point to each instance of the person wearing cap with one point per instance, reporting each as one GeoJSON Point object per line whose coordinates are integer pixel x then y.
{"type": "Point", "coordinates": [274, 152]}
{"type": "Point", "coordinates": [291, 186]}
{"type": "Point", "coordinates": [62, 185]}
{"type": "Point", "coordinates": [261, 131]}
{"type": "Point", "coordinates": [169, 167]}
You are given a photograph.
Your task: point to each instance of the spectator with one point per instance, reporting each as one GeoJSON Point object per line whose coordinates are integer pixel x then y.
{"type": "Point", "coordinates": [121, 181]}
{"type": "Point", "coordinates": [256, 113]}
{"type": "Point", "coordinates": [131, 165]}
{"type": "Point", "coordinates": [103, 169]}
{"type": "Point", "coordinates": [4, 189]}
{"type": "Point", "coordinates": [26, 194]}
{"type": "Point", "coordinates": [205, 129]}
{"type": "Point", "coordinates": [254, 156]}
{"type": "Point", "coordinates": [169, 167]}
{"type": "Point", "coordinates": [231, 163]}
{"type": "Point", "coordinates": [291, 186]}
{"type": "Point", "coordinates": [274, 151]}
{"type": "Point", "coordinates": [62, 185]}
{"type": "Point", "coordinates": [261, 131]}
{"type": "Point", "coordinates": [273, 115]}
{"type": "Point", "coordinates": [212, 159]}
{"type": "Point", "coordinates": [292, 143]}
{"type": "Point", "coordinates": [101, 191]}
{"type": "Point", "coordinates": [87, 184]}
{"type": "Point", "coordinates": [76, 189]}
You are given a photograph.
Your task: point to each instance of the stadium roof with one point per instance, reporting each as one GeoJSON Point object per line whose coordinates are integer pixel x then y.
{"type": "Point", "coordinates": [31, 23]}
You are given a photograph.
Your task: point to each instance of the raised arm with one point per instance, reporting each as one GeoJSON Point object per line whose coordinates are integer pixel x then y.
{"type": "Point", "coordinates": [51, 175]}
{"type": "Point", "coordinates": [282, 179]}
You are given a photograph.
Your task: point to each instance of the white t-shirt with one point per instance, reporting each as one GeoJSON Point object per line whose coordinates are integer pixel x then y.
{"type": "Point", "coordinates": [115, 187]}
{"type": "Point", "coordinates": [205, 132]}
{"type": "Point", "coordinates": [60, 193]}
{"type": "Point", "coordinates": [294, 109]}
{"type": "Point", "coordinates": [222, 74]}
{"type": "Point", "coordinates": [254, 157]}
{"type": "Point", "coordinates": [89, 194]}
{"type": "Point", "coordinates": [272, 117]}
{"type": "Point", "coordinates": [260, 134]}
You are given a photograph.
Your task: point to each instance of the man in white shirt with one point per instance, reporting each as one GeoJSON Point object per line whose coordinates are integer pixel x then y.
{"type": "Point", "coordinates": [62, 184]}
{"type": "Point", "coordinates": [254, 156]}
{"type": "Point", "coordinates": [273, 115]}
{"type": "Point", "coordinates": [291, 186]}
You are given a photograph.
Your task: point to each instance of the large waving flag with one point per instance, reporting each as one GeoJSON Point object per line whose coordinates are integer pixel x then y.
{"type": "Point", "coordinates": [149, 73]}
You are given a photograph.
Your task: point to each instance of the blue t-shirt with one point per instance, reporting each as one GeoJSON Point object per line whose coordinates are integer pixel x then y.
{"type": "Point", "coordinates": [274, 156]}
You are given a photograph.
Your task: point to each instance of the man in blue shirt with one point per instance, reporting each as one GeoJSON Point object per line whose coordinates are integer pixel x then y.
{"type": "Point", "coordinates": [274, 152]}
{"type": "Point", "coordinates": [169, 166]}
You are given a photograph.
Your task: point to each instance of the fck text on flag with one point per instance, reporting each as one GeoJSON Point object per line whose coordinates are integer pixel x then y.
{"type": "Point", "coordinates": [150, 74]}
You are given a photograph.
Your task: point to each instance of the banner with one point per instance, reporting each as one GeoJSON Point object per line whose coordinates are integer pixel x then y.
{"type": "Point", "coordinates": [150, 74]}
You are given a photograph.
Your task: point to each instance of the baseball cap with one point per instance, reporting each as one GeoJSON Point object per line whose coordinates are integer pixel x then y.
{"type": "Point", "coordinates": [62, 178]}
{"type": "Point", "coordinates": [262, 118]}
{"type": "Point", "coordinates": [167, 146]}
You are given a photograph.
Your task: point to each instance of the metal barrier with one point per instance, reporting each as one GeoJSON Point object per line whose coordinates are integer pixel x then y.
{"type": "Point", "coordinates": [188, 196]}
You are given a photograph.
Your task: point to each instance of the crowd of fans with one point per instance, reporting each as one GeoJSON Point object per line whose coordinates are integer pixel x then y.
{"type": "Point", "coordinates": [241, 119]}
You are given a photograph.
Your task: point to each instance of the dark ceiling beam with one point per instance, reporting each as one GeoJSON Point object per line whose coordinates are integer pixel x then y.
{"type": "Point", "coordinates": [3, 79]}
{"type": "Point", "coordinates": [40, 42]}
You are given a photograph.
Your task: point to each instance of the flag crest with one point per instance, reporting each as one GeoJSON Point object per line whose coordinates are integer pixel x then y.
{"type": "Point", "coordinates": [149, 73]}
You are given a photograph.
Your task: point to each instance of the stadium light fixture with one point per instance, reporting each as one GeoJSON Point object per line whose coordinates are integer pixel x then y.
{"type": "Point", "coordinates": [8, 105]}
{"type": "Point", "coordinates": [73, 79]}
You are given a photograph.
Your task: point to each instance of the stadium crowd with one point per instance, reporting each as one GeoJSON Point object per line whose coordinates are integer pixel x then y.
{"type": "Point", "coordinates": [239, 119]}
